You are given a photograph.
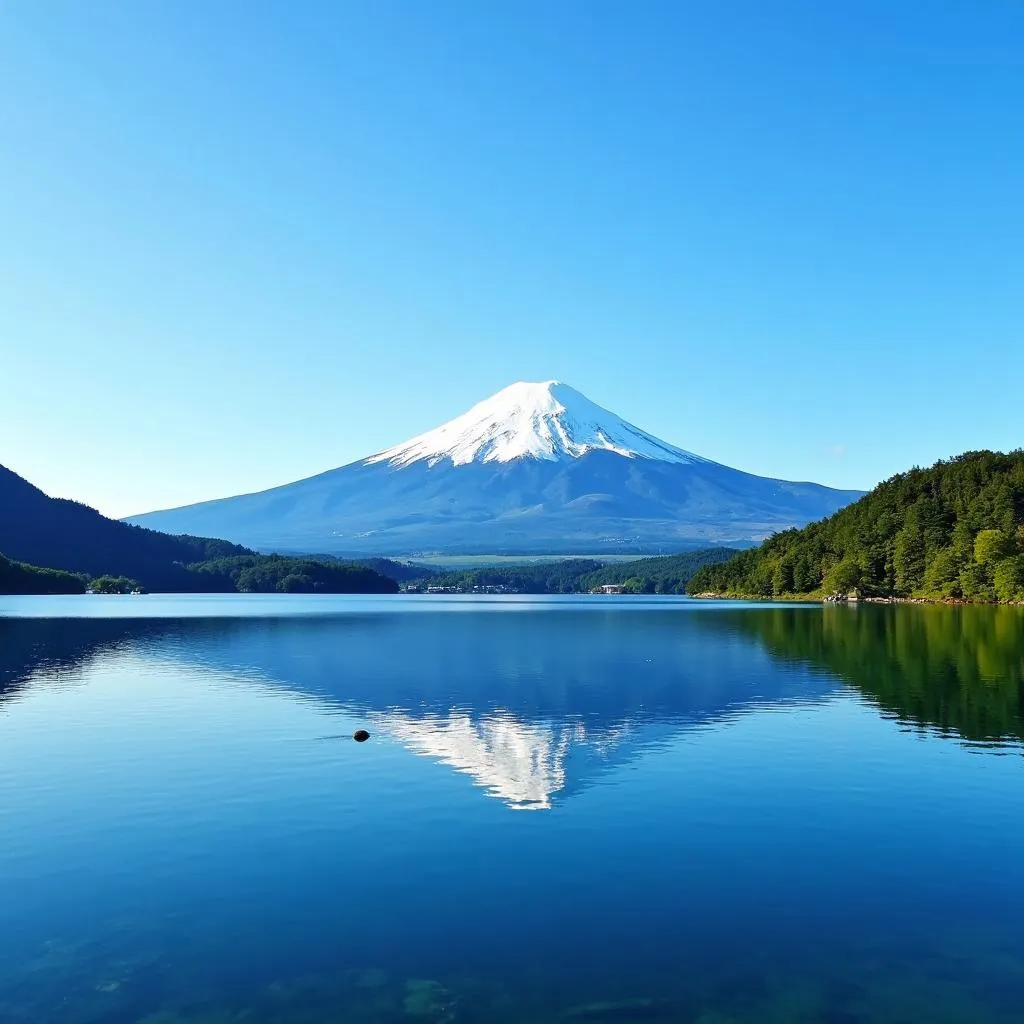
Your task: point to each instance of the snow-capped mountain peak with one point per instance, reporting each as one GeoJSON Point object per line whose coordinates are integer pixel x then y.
{"type": "Point", "coordinates": [536, 468]}
{"type": "Point", "coordinates": [545, 420]}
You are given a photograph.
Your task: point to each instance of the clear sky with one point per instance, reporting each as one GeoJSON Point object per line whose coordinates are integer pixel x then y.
{"type": "Point", "coordinates": [244, 242]}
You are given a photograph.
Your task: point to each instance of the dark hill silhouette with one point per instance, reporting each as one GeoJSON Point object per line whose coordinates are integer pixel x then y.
{"type": "Point", "coordinates": [60, 534]}
{"type": "Point", "coordinates": [54, 533]}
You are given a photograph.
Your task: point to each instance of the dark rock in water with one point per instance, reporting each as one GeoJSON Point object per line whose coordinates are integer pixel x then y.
{"type": "Point", "coordinates": [360, 735]}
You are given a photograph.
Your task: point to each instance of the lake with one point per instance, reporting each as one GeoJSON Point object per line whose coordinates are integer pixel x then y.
{"type": "Point", "coordinates": [572, 810]}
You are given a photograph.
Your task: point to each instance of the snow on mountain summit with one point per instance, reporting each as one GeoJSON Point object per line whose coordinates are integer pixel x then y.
{"type": "Point", "coordinates": [546, 420]}
{"type": "Point", "coordinates": [537, 468]}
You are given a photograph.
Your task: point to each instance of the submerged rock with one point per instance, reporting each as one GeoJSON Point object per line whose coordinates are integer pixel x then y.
{"type": "Point", "coordinates": [429, 999]}
{"type": "Point", "coordinates": [620, 1010]}
{"type": "Point", "coordinates": [366, 977]}
{"type": "Point", "coordinates": [194, 1017]}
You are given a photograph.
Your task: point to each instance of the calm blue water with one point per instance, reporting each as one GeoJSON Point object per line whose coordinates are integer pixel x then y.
{"type": "Point", "coordinates": [575, 809]}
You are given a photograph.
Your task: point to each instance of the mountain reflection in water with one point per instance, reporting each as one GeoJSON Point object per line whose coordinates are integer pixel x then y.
{"type": "Point", "coordinates": [529, 718]}
{"type": "Point", "coordinates": [532, 720]}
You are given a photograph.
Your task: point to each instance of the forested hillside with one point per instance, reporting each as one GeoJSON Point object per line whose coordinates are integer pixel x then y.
{"type": "Point", "coordinates": [660, 575]}
{"type": "Point", "coordinates": [562, 577]}
{"type": "Point", "coordinates": [667, 574]}
{"type": "Point", "coordinates": [75, 544]}
{"type": "Point", "coordinates": [265, 574]}
{"type": "Point", "coordinates": [62, 534]}
{"type": "Point", "coordinates": [955, 530]}
{"type": "Point", "coordinates": [18, 578]}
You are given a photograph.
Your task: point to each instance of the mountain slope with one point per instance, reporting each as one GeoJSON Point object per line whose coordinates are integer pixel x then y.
{"type": "Point", "coordinates": [537, 467]}
{"type": "Point", "coordinates": [65, 535]}
{"type": "Point", "coordinates": [62, 534]}
{"type": "Point", "coordinates": [955, 530]}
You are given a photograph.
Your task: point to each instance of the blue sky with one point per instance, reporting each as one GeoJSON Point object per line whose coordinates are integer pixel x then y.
{"type": "Point", "coordinates": [241, 243]}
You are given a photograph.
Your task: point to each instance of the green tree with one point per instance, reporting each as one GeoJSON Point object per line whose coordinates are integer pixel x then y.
{"type": "Point", "coordinates": [805, 575]}
{"type": "Point", "coordinates": [962, 542]}
{"type": "Point", "coordinates": [976, 583]}
{"type": "Point", "coordinates": [115, 585]}
{"type": "Point", "coordinates": [942, 576]}
{"type": "Point", "coordinates": [1008, 579]}
{"type": "Point", "coordinates": [908, 559]}
{"type": "Point", "coordinates": [844, 576]}
{"type": "Point", "coordinates": [991, 546]}
{"type": "Point", "coordinates": [782, 577]}
{"type": "Point", "coordinates": [1003, 511]}
{"type": "Point", "coordinates": [256, 579]}
{"type": "Point", "coordinates": [296, 583]}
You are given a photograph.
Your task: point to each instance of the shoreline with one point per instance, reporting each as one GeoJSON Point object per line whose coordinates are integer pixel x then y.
{"type": "Point", "coordinates": [818, 598]}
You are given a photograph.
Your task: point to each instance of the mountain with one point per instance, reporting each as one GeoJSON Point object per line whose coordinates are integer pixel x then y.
{"type": "Point", "coordinates": [549, 421]}
{"type": "Point", "coordinates": [536, 467]}
{"type": "Point", "coordinates": [955, 530]}
{"type": "Point", "coordinates": [65, 535]}
{"type": "Point", "coordinates": [62, 534]}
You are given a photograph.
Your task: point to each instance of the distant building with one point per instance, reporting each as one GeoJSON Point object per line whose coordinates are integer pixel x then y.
{"type": "Point", "coordinates": [609, 588]}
